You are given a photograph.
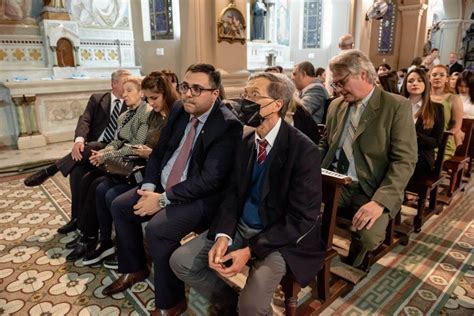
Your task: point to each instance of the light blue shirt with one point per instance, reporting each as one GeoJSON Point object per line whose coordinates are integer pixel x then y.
{"type": "Point", "coordinates": [169, 165]}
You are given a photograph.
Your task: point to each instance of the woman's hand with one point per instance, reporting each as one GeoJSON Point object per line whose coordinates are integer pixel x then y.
{"type": "Point", "coordinates": [96, 158]}
{"type": "Point", "coordinates": [143, 151]}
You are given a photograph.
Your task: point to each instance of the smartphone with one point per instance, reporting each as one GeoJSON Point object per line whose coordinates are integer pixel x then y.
{"type": "Point", "coordinates": [227, 263]}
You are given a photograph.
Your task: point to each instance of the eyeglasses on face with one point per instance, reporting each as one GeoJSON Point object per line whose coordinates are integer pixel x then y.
{"type": "Point", "coordinates": [340, 83]}
{"type": "Point", "coordinates": [195, 89]}
{"type": "Point", "coordinates": [255, 96]}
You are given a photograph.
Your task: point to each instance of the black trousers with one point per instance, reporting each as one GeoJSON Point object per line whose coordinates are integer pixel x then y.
{"type": "Point", "coordinates": [76, 170]}
{"type": "Point", "coordinates": [164, 232]}
{"type": "Point", "coordinates": [88, 222]}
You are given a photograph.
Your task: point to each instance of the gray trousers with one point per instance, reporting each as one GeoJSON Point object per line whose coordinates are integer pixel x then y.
{"type": "Point", "coordinates": [190, 264]}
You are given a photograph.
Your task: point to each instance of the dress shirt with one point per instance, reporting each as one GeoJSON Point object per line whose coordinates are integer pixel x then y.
{"type": "Point", "coordinates": [415, 108]}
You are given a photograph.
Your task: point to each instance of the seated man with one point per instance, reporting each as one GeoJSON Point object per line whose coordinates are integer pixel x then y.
{"type": "Point", "coordinates": [95, 129]}
{"type": "Point", "coordinates": [270, 214]}
{"type": "Point", "coordinates": [313, 94]}
{"type": "Point", "coordinates": [184, 178]}
{"type": "Point", "coordinates": [370, 136]}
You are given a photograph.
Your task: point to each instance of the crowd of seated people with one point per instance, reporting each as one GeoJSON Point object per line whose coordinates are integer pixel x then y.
{"type": "Point", "coordinates": [254, 194]}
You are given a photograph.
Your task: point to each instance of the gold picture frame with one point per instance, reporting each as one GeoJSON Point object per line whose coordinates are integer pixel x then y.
{"type": "Point", "coordinates": [231, 25]}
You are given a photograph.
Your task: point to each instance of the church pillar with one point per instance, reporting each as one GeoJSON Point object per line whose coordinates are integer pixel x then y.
{"type": "Point", "coordinates": [412, 31]}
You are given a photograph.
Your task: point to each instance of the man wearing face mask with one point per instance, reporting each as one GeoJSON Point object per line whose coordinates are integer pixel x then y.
{"type": "Point", "coordinates": [270, 213]}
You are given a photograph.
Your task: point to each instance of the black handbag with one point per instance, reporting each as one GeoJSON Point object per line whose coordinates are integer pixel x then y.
{"type": "Point", "coordinates": [127, 169]}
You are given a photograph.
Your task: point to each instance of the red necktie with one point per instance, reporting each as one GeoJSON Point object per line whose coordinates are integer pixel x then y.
{"type": "Point", "coordinates": [180, 163]}
{"type": "Point", "coordinates": [262, 151]}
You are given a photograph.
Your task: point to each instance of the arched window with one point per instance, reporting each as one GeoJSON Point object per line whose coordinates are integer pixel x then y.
{"type": "Point", "coordinates": [161, 19]}
{"type": "Point", "coordinates": [312, 17]}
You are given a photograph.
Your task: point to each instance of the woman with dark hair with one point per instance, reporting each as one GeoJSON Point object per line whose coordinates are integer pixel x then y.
{"type": "Point", "coordinates": [453, 111]}
{"type": "Point", "coordinates": [383, 68]}
{"type": "Point", "coordinates": [465, 89]}
{"type": "Point", "coordinates": [161, 96]}
{"type": "Point", "coordinates": [172, 77]}
{"type": "Point", "coordinates": [389, 81]}
{"type": "Point", "coordinates": [428, 117]}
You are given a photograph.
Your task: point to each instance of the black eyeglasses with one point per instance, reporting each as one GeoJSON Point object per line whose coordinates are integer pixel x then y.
{"type": "Point", "coordinates": [195, 89]}
{"type": "Point", "coordinates": [340, 83]}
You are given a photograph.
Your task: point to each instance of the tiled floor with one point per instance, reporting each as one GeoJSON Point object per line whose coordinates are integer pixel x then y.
{"type": "Point", "coordinates": [19, 160]}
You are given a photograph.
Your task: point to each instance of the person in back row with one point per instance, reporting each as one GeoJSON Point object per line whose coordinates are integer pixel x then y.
{"type": "Point", "coordinates": [95, 129]}
{"type": "Point", "coordinates": [270, 216]}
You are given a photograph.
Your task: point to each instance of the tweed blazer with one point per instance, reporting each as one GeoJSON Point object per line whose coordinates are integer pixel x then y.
{"type": "Point", "coordinates": [384, 148]}
{"type": "Point", "coordinates": [134, 132]}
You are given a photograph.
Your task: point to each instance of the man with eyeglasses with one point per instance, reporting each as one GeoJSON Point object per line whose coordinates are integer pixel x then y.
{"type": "Point", "coordinates": [181, 190]}
{"type": "Point", "coordinates": [269, 218]}
{"type": "Point", "coordinates": [371, 138]}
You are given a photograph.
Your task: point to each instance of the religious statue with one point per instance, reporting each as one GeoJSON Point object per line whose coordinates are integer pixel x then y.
{"type": "Point", "coordinates": [259, 13]}
{"type": "Point", "coordinates": [15, 11]}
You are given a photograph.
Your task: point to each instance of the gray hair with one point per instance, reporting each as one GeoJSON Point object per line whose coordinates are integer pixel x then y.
{"type": "Point", "coordinates": [280, 87]}
{"type": "Point", "coordinates": [116, 75]}
{"type": "Point", "coordinates": [353, 61]}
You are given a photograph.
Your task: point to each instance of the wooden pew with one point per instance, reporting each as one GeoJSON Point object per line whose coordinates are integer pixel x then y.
{"type": "Point", "coordinates": [428, 187]}
{"type": "Point", "coordinates": [328, 287]}
{"type": "Point", "coordinates": [455, 166]}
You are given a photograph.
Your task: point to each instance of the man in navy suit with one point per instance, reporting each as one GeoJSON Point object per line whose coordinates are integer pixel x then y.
{"type": "Point", "coordinates": [182, 187]}
{"type": "Point", "coordinates": [95, 129]}
{"type": "Point", "coordinates": [270, 214]}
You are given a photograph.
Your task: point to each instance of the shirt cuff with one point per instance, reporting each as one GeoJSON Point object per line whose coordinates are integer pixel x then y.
{"type": "Point", "coordinates": [163, 195]}
{"type": "Point", "coordinates": [79, 140]}
{"type": "Point", "coordinates": [148, 187]}
{"type": "Point", "coordinates": [224, 235]}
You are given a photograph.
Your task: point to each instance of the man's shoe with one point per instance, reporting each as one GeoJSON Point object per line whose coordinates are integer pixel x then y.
{"type": "Point", "coordinates": [176, 310]}
{"type": "Point", "coordinates": [81, 248]}
{"type": "Point", "coordinates": [36, 178]}
{"type": "Point", "coordinates": [69, 227]}
{"type": "Point", "coordinates": [101, 250]}
{"type": "Point", "coordinates": [111, 262]}
{"type": "Point", "coordinates": [125, 281]}
{"type": "Point", "coordinates": [73, 243]}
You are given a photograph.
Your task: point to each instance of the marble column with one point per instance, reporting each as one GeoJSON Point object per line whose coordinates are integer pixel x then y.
{"type": "Point", "coordinates": [412, 32]}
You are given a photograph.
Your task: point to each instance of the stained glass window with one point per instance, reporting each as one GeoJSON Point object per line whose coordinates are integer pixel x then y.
{"type": "Point", "coordinates": [161, 19]}
{"type": "Point", "coordinates": [387, 30]}
{"type": "Point", "coordinates": [312, 23]}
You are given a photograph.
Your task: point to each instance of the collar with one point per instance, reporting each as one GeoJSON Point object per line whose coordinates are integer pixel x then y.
{"type": "Point", "coordinates": [365, 100]}
{"type": "Point", "coordinates": [271, 136]}
{"type": "Point", "coordinates": [203, 117]}
{"type": "Point", "coordinates": [312, 84]}
{"type": "Point", "coordinates": [113, 98]}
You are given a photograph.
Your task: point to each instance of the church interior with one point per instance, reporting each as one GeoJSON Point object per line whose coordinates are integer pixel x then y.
{"type": "Point", "coordinates": [55, 54]}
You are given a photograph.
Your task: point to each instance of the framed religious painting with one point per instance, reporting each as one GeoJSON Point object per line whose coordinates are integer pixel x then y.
{"type": "Point", "coordinates": [231, 25]}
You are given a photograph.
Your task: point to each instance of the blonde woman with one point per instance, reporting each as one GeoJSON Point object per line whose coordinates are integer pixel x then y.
{"type": "Point", "coordinates": [453, 109]}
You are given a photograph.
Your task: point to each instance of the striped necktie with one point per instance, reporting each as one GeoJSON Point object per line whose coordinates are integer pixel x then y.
{"type": "Point", "coordinates": [346, 153]}
{"type": "Point", "coordinates": [110, 129]}
{"type": "Point", "coordinates": [262, 151]}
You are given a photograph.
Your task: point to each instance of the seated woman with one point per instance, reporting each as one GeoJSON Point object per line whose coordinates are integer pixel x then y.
{"type": "Point", "coordinates": [453, 111]}
{"type": "Point", "coordinates": [465, 89]}
{"type": "Point", "coordinates": [132, 129]}
{"type": "Point", "coordinates": [161, 95]}
{"type": "Point", "coordinates": [428, 117]}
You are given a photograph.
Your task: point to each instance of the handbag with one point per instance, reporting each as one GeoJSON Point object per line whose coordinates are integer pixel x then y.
{"type": "Point", "coordinates": [127, 169]}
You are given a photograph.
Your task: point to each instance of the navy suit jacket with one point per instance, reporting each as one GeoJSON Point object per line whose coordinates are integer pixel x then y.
{"type": "Point", "coordinates": [290, 202]}
{"type": "Point", "coordinates": [211, 159]}
{"type": "Point", "coordinates": [95, 118]}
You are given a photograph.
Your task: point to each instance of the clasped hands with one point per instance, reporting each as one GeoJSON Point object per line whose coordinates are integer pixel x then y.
{"type": "Point", "coordinates": [96, 158]}
{"type": "Point", "coordinates": [148, 204]}
{"type": "Point", "coordinates": [367, 215]}
{"type": "Point", "coordinates": [217, 257]}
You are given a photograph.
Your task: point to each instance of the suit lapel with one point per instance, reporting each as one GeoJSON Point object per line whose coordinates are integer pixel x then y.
{"type": "Point", "coordinates": [105, 103]}
{"type": "Point", "coordinates": [370, 113]}
{"type": "Point", "coordinates": [276, 159]}
{"type": "Point", "coordinates": [178, 132]}
{"type": "Point", "coordinates": [248, 159]}
{"type": "Point", "coordinates": [336, 136]}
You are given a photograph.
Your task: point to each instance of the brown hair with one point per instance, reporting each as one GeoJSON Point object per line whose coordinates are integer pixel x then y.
{"type": "Point", "coordinates": [158, 83]}
{"type": "Point", "coordinates": [428, 108]}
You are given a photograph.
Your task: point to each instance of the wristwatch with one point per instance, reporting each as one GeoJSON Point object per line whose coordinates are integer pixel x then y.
{"type": "Point", "coordinates": [161, 202]}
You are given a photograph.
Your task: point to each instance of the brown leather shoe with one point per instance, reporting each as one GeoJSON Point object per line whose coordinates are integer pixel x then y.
{"type": "Point", "coordinates": [125, 281]}
{"type": "Point", "coordinates": [176, 310]}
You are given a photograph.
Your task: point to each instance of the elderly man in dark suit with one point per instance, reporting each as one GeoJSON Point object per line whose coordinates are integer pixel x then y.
{"type": "Point", "coordinates": [454, 66]}
{"type": "Point", "coordinates": [270, 214]}
{"type": "Point", "coordinates": [182, 187]}
{"type": "Point", "coordinates": [95, 129]}
{"type": "Point", "coordinates": [370, 136]}
{"type": "Point", "coordinates": [313, 94]}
